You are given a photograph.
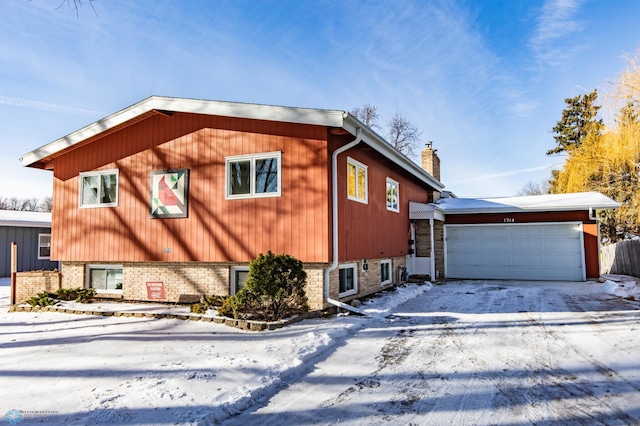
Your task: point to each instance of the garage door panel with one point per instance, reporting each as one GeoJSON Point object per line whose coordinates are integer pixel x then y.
{"type": "Point", "coordinates": [559, 246]}
{"type": "Point", "coordinates": [531, 252]}
{"type": "Point", "coordinates": [526, 246]}
{"type": "Point", "coordinates": [525, 232]}
{"type": "Point", "coordinates": [494, 259]}
{"type": "Point", "coordinates": [499, 245]}
{"type": "Point", "coordinates": [495, 233]}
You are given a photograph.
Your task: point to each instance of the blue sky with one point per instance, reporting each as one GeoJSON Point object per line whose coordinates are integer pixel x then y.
{"type": "Point", "coordinates": [485, 80]}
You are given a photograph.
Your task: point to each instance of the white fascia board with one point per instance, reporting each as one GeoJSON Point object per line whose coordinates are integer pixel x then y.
{"type": "Point", "coordinates": [25, 224]}
{"type": "Point", "coordinates": [383, 147]}
{"type": "Point", "coordinates": [225, 109]}
{"type": "Point", "coordinates": [329, 118]}
{"type": "Point", "coordinates": [531, 203]}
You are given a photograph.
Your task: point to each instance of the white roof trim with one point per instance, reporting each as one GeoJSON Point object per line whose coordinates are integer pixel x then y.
{"type": "Point", "coordinates": [25, 219]}
{"type": "Point", "coordinates": [330, 118]}
{"type": "Point", "coordinates": [531, 203]}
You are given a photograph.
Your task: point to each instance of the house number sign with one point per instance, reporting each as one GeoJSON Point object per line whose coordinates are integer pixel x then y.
{"type": "Point", "coordinates": [509, 220]}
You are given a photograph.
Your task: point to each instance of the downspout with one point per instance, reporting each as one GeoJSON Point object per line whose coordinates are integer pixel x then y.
{"type": "Point", "coordinates": [432, 252]}
{"type": "Point", "coordinates": [593, 217]}
{"type": "Point", "coordinates": [334, 191]}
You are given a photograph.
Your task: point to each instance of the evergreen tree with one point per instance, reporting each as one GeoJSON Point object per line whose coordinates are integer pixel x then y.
{"type": "Point", "coordinates": [579, 118]}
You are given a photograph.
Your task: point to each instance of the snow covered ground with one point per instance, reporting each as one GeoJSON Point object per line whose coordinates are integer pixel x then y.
{"type": "Point", "coordinates": [482, 353]}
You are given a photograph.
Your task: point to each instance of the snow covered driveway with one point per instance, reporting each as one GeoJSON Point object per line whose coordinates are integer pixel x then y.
{"type": "Point", "coordinates": [471, 353]}
{"type": "Point", "coordinates": [462, 353]}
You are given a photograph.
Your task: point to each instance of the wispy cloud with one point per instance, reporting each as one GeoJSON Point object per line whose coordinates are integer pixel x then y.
{"type": "Point", "coordinates": [27, 103]}
{"type": "Point", "coordinates": [491, 176]}
{"type": "Point", "coordinates": [557, 21]}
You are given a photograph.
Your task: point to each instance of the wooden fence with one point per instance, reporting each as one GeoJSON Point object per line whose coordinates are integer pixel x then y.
{"type": "Point", "coordinates": [621, 258]}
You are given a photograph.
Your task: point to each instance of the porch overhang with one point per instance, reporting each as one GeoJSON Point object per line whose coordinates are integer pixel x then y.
{"type": "Point", "coordinates": [422, 211]}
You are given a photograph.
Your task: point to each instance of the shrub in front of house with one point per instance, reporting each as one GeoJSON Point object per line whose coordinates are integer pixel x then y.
{"type": "Point", "coordinates": [274, 290]}
{"type": "Point", "coordinates": [80, 295]}
{"type": "Point", "coordinates": [206, 303]}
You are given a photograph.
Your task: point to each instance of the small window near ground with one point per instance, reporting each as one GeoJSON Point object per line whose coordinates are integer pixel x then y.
{"type": "Point", "coordinates": [239, 275]}
{"type": "Point", "coordinates": [44, 246]}
{"type": "Point", "coordinates": [99, 189]}
{"type": "Point", "coordinates": [105, 278]}
{"type": "Point", "coordinates": [357, 186]}
{"type": "Point", "coordinates": [254, 176]}
{"type": "Point", "coordinates": [385, 272]}
{"type": "Point", "coordinates": [348, 279]}
{"type": "Point", "coordinates": [393, 195]}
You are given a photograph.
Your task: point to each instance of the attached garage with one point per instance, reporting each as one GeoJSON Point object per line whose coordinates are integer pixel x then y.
{"type": "Point", "coordinates": [542, 237]}
{"type": "Point", "coordinates": [531, 251]}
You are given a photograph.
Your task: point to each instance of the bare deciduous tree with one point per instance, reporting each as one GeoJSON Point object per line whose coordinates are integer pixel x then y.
{"type": "Point", "coordinates": [400, 132]}
{"type": "Point", "coordinates": [368, 114]}
{"type": "Point", "coordinates": [403, 135]}
{"type": "Point", "coordinates": [75, 5]}
{"type": "Point", "coordinates": [26, 204]}
{"type": "Point", "coordinates": [534, 188]}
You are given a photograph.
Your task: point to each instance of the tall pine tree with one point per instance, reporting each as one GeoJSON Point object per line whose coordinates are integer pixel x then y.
{"type": "Point", "coordinates": [578, 119]}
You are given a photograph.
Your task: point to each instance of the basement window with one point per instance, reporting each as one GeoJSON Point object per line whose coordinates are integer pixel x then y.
{"type": "Point", "coordinates": [105, 278]}
{"type": "Point", "coordinates": [239, 275]}
{"type": "Point", "coordinates": [385, 272]}
{"type": "Point", "coordinates": [99, 189]}
{"type": "Point", "coordinates": [348, 279]}
{"type": "Point", "coordinates": [357, 186]}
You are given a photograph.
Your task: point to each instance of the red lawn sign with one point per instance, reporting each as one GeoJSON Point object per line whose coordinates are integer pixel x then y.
{"type": "Point", "coordinates": [155, 290]}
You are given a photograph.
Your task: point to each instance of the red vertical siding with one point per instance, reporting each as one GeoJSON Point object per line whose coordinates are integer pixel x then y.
{"type": "Point", "coordinates": [216, 229]}
{"type": "Point", "coordinates": [370, 230]}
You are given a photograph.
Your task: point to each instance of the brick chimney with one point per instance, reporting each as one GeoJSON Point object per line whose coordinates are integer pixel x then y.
{"type": "Point", "coordinates": [431, 161]}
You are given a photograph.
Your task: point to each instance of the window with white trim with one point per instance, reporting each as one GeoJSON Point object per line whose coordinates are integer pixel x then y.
{"type": "Point", "coordinates": [393, 195]}
{"type": "Point", "coordinates": [385, 272]}
{"type": "Point", "coordinates": [44, 246]}
{"type": "Point", "coordinates": [348, 276]}
{"type": "Point", "coordinates": [357, 186]}
{"type": "Point", "coordinates": [105, 278]}
{"type": "Point", "coordinates": [254, 176]}
{"type": "Point", "coordinates": [99, 189]}
{"type": "Point", "coordinates": [239, 275]}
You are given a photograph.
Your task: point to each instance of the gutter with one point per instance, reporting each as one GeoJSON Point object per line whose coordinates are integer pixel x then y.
{"type": "Point", "coordinates": [334, 191]}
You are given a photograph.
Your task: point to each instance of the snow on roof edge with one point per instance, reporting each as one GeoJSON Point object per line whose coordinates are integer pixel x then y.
{"type": "Point", "coordinates": [547, 202]}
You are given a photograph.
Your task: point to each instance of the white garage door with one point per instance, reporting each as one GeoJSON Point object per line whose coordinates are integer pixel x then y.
{"type": "Point", "coordinates": [523, 251]}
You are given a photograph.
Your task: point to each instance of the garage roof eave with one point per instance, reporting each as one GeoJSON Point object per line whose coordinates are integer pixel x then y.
{"type": "Point", "coordinates": [531, 203]}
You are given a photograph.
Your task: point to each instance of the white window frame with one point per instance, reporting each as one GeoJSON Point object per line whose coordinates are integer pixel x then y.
{"type": "Point", "coordinates": [99, 173]}
{"type": "Point", "coordinates": [354, 290]}
{"type": "Point", "coordinates": [40, 245]}
{"type": "Point", "coordinates": [233, 289]}
{"type": "Point", "coordinates": [390, 280]}
{"type": "Point", "coordinates": [252, 184]}
{"type": "Point", "coordinates": [358, 165]}
{"type": "Point", "coordinates": [91, 266]}
{"type": "Point", "coordinates": [396, 184]}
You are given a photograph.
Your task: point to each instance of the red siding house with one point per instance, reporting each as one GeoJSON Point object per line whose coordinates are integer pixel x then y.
{"type": "Point", "coordinates": [181, 194]}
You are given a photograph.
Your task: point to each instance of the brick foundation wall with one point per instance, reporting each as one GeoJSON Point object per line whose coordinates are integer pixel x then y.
{"type": "Point", "coordinates": [29, 284]}
{"type": "Point", "coordinates": [188, 281]}
{"type": "Point", "coordinates": [368, 281]}
{"type": "Point", "coordinates": [183, 282]}
{"type": "Point", "coordinates": [438, 235]}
